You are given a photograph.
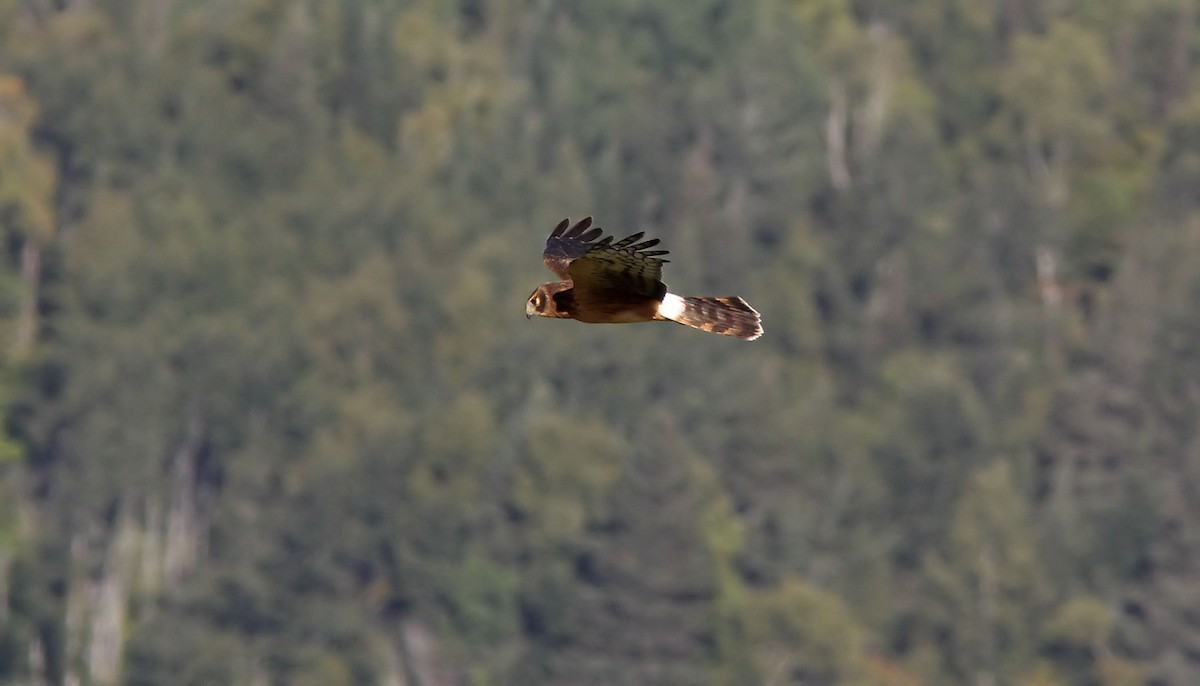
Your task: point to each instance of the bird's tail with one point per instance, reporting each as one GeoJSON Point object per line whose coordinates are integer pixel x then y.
{"type": "Point", "coordinates": [727, 316]}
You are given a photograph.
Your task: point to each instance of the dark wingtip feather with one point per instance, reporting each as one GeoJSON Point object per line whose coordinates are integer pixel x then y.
{"type": "Point", "coordinates": [591, 234]}
{"type": "Point", "coordinates": [579, 228]}
{"type": "Point", "coordinates": [562, 226]}
{"type": "Point", "coordinates": [629, 240]}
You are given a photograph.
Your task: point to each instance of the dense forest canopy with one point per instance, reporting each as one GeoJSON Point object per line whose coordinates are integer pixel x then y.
{"type": "Point", "coordinates": [273, 416]}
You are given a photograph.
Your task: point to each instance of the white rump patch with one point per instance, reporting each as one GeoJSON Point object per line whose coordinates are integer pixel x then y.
{"type": "Point", "coordinates": [671, 307]}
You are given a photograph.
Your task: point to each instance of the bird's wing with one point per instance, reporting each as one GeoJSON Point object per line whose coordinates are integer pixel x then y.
{"type": "Point", "coordinates": [566, 245]}
{"type": "Point", "coordinates": [623, 268]}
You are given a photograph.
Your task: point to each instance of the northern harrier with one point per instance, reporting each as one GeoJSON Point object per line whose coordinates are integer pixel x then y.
{"type": "Point", "coordinates": [607, 282]}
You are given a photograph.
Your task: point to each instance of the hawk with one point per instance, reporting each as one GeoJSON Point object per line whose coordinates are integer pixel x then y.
{"type": "Point", "coordinates": [619, 283]}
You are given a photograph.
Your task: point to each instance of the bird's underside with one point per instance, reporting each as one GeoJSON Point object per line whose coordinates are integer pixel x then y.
{"type": "Point", "coordinates": [603, 282]}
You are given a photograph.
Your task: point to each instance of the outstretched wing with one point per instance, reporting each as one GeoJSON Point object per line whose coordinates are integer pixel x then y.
{"type": "Point", "coordinates": [602, 266]}
{"type": "Point", "coordinates": [565, 245]}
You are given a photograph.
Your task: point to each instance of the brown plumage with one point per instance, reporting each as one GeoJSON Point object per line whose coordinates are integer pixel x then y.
{"type": "Point", "coordinates": [621, 282]}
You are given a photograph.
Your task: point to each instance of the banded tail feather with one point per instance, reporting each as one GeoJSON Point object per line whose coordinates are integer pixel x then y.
{"type": "Point", "coordinates": [727, 316]}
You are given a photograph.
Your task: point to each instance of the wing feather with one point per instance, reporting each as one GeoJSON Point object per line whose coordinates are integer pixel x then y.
{"type": "Point", "coordinates": [629, 240]}
{"type": "Point", "coordinates": [578, 228]}
{"type": "Point", "coordinates": [564, 245]}
{"type": "Point", "coordinates": [645, 244]}
{"type": "Point", "coordinates": [591, 234]}
{"type": "Point", "coordinates": [604, 268]}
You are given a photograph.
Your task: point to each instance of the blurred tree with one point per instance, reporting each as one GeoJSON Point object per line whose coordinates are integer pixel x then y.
{"type": "Point", "coordinates": [27, 213]}
{"type": "Point", "coordinates": [803, 635]}
{"type": "Point", "coordinates": [278, 417]}
{"type": "Point", "coordinates": [988, 572]}
{"type": "Point", "coordinates": [642, 598]}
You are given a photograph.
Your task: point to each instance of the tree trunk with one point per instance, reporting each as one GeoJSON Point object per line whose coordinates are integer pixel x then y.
{"type": "Point", "coordinates": [27, 317]}
{"type": "Point", "coordinates": [835, 136]}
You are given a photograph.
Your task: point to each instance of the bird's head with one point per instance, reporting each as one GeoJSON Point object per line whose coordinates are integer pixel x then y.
{"type": "Point", "coordinates": [551, 300]}
{"type": "Point", "coordinates": [538, 301]}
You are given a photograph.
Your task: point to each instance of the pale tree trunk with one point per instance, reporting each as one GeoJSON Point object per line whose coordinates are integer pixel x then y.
{"type": "Point", "coordinates": [1050, 292]}
{"type": "Point", "coordinates": [151, 563]}
{"type": "Point", "coordinates": [182, 547]}
{"type": "Point", "coordinates": [1049, 289]}
{"type": "Point", "coordinates": [873, 113]}
{"type": "Point", "coordinates": [426, 667]}
{"type": "Point", "coordinates": [37, 663]}
{"type": "Point", "coordinates": [392, 667]}
{"type": "Point", "coordinates": [110, 603]}
{"type": "Point", "coordinates": [835, 136]}
{"type": "Point", "coordinates": [75, 620]}
{"type": "Point", "coordinates": [153, 19]}
{"type": "Point", "coordinates": [27, 316]}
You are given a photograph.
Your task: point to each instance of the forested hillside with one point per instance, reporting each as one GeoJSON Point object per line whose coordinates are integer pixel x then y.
{"type": "Point", "coordinates": [273, 414]}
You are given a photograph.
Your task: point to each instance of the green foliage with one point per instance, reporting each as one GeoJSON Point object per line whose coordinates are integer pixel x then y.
{"type": "Point", "coordinates": [802, 635]}
{"type": "Point", "coordinates": [988, 573]}
{"type": "Point", "coordinates": [272, 414]}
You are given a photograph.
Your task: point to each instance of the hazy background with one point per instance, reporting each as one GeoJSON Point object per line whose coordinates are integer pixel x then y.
{"type": "Point", "coordinates": [274, 416]}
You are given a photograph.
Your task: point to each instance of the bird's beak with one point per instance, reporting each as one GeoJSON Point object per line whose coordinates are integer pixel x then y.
{"type": "Point", "coordinates": [529, 310]}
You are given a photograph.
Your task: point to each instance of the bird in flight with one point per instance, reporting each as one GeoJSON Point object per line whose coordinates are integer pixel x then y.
{"type": "Point", "coordinates": [621, 282]}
